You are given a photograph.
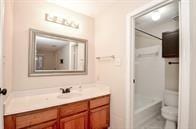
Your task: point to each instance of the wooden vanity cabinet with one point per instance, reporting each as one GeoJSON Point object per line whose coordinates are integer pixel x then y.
{"type": "Point", "coordinates": [100, 113]}
{"type": "Point", "coordinates": [88, 114]}
{"type": "Point", "coordinates": [47, 125]}
{"type": "Point", "coordinates": [74, 116]}
{"type": "Point", "coordinates": [41, 119]}
{"type": "Point", "coordinates": [99, 118]}
{"type": "Point", "coordinates": [78, 121]}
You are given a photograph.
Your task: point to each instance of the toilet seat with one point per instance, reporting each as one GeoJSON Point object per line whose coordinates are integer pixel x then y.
{"type": "Point", "coordinates": [170, 113]}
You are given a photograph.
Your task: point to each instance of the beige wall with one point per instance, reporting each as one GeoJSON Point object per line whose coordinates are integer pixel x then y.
{"type": "Point", "coordinates": [28, 14]}
{"type": "Point", "coordinates": [110, 39]}
{"type": "Point", "coordinates": [49, 59]}
{"type": "Point", "coordinates": [8, 45]}
{"type": "Point", "coordinates": [193, 67]}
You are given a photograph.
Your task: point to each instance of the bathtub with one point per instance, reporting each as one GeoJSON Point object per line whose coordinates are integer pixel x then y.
{"type": "Point", "coordinates": [145, 108]}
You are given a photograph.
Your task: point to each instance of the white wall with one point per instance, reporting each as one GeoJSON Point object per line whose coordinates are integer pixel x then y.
{"type": "Point", "coordinates": [193, 68]}
{"type": "Point", "coordinates": [150, 72]}
{"type": "Point", "coordinates": [157, 30]}
{"type": "Point", "coordinates": [8, 45]}
{"type": "Point", "coordinates": [142, 40]}
{"type": "Point", "coordinates": [110, 39]}
{"type": "Point", "coordinates": [31, 14]}
{"type": "Point", "coordinates": [172, 74]}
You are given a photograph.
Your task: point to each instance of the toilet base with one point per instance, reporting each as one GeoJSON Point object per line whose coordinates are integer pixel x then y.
{"type": "Point", "coordinates": [170, 124]}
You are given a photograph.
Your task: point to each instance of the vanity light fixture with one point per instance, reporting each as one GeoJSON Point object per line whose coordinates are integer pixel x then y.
{"type": "Point", "coordinates": [61, 21]}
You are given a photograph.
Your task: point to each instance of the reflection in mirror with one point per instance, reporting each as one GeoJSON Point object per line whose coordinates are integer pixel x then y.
{"type": "Point", "coordinates": [53, 54]}
{"type": "Point", "coordinates": [57, 54]}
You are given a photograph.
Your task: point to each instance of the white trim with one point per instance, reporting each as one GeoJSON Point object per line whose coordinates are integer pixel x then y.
{"type": "Point", "coordinates": [184, 70]}
{"type": "Point", "coordinates": [184, 67]}
{"type": "Point", "coordinates": [2, 9]}
{"type": "Point", "coordinates": [128, 89]}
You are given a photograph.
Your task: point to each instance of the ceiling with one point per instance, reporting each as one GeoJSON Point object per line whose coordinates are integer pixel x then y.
{"type": "Point", "coordinates": [168, 13]}
{"type": "Point", "coordinates": [49, 44]}
{"type": "Point", "coordinates": [93, 8]}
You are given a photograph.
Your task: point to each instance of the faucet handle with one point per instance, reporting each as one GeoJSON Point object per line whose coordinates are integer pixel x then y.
{"type": "Point", "coordinates": [68, 90]}
{"type": "Point", "coordinates": [63, 90]}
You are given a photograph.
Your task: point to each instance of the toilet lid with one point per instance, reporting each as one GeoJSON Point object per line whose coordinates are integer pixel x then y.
{"type": "Point", "coordinates": [170, 110]}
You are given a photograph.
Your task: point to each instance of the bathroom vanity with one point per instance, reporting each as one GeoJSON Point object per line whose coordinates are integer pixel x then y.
{"type": "Point", "coordinates": [74, 107]}
{"type": "Point", "coordinates": [88, 111]}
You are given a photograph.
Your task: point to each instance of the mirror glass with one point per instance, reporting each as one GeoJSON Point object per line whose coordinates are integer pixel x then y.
{"type": "Point", "coordinates": [54, 54]}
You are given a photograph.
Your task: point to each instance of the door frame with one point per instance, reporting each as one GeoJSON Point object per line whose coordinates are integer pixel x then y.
{"type": "Point", "coordinates": [2, 11]}
{"type": "Point", "coordinates": [184, 59]}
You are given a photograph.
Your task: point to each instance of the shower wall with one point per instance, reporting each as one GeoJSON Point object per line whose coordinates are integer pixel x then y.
{"type": "Point", "coordinates": [150, 72]}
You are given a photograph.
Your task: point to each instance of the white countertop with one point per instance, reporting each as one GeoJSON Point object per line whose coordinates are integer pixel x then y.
{"type": "Point", "coordinates": [25, 101]}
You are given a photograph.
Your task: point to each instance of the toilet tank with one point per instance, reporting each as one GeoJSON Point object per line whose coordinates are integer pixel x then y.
{"type": "Point", "coordinates": [171, 98]}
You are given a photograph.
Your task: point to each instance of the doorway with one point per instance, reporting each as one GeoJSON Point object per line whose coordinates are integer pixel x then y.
{"type": "Point", "coordinates": [157, 68]}
{"type": "Point", "coordinates": [184, 55]}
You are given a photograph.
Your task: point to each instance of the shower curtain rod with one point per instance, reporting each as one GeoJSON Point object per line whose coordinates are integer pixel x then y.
{"type": "Point", "coordinates": [148, 34]}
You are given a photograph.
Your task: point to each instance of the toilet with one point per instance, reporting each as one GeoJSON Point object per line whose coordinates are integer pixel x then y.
{"type": "Point", "coordinates": [169, 109]}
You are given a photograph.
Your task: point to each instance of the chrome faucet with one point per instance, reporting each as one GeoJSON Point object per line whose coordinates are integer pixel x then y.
{"type": "Point", "coordinates": [66, 90]}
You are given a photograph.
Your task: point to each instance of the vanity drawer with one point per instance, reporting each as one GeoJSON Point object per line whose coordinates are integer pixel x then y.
{"type": "Point", "coordinates": [74, 108]}
{"type": "Point", "coordinates": [99, 101]}
{"type": "Point", "coordinates": [34, 118]}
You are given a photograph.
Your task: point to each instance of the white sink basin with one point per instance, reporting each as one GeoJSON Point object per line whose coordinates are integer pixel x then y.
{"type": "Point", "coordinates": [69, 95]}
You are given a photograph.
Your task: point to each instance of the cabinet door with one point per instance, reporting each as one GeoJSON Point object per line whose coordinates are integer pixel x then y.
{"type": "Point", "coordinates": [100, 118]}
{"type": "Point", "coordinates": [79, 121]}
{"type": "Point", "coordinates": [170, 44]}
{"type": "Point", "coordinates": [47, 125]}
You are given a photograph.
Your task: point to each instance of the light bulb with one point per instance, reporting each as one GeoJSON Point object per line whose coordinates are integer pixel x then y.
{"type": "Point", "coordinates": [155, 16]}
